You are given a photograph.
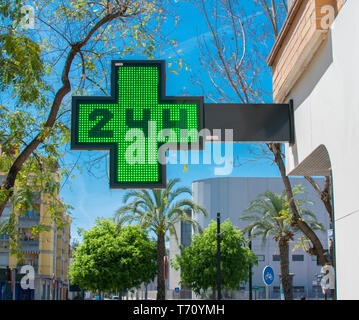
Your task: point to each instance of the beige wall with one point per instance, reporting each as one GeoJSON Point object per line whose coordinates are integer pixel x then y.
{"type": "Point", "coordinates": [300, 37]}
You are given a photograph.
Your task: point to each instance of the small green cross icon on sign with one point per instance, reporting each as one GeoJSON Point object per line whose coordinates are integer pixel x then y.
{"type": "Point", "coordinates": [133, 123]}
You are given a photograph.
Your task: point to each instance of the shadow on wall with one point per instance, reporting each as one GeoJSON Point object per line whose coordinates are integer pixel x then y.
{"type": "Point", "coordinates": [314, 71]}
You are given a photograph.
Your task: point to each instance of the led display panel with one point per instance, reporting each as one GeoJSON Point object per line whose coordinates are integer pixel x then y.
{"type": "Point", "coordinates": [132, 123]}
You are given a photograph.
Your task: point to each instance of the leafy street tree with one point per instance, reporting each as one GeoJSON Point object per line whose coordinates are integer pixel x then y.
{"type": "Point", "coordinates": [234, 57]}
{"type": "Point", "coordinates": [68, 50]}
{"type": "Point", "coordinates": [271, 216]}
{"type": "Point", "coordinates": [159, 210]}
{"type": "Point", "coordinates": [113, 258]}
{"type": "Point", "coordinates": [198, 262]}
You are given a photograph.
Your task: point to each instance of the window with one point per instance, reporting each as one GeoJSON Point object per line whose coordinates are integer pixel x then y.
{"type": "Point", "coordinates": [260, 257]}
{"type": "Point", "coordinates": [297, 257]}
{"type": "Point", "coordinates": [276, 257]}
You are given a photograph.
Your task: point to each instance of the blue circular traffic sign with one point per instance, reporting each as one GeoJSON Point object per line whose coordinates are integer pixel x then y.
{"type": "Point", "coordinates": [268, 275]}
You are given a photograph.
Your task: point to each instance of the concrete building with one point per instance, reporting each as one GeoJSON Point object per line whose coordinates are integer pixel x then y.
{"type": "Point", "coordinates": [315, 63]}
{"type": "Point", "coordinates": [48, 253]}
{"type": "Point", "coordinates": [230, 196]}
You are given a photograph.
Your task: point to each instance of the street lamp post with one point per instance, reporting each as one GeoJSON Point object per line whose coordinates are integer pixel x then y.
{"type": "Point", "coordinates": [219, 294]}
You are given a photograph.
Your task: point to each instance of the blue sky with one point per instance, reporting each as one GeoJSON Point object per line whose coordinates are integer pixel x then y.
{"type": "Point", "coordinates": [91, 196]}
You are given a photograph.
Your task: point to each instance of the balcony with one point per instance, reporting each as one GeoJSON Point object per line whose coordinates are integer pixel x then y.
{"type": "Point", "coordinates": [30, 246]}
{"type": "Point", "coordinates": [30, 242]}
{"type": "Point", "coordinates": [28, 220]}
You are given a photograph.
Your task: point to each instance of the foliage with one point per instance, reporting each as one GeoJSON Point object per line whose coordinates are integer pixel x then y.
{"type": "Point", "coordinates": [19, 51]}
{"type": "Point", "coordinates": [68, 52]}
{"type": "Point", "coordinates": [271, 215]}
{"type": "Point", "coordinates": [38, 178]}
{"type": "Point", "coordinates": [235, 59]}
{"type": "Point", "coordinates": [198, 262]}
{"type": "Point", "coordinates": [112, 258]}
{"type": "Point", "coordinates": [159, 211]}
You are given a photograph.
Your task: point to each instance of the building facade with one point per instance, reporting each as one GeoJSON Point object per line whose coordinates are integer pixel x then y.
{"type": "Point", "coordinates": [47, 252]}
{"type": "Point", "coordinates": [315, 63]}
{"type": "Point", "coordinates": [230, 196]}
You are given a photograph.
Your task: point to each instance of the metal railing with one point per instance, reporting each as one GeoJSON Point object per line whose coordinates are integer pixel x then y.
{"type": "Point", "coordinates": [25, 221]}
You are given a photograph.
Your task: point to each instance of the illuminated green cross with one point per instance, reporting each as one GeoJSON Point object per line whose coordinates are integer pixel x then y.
{"type": "Point", "coordinates": [120, 123]}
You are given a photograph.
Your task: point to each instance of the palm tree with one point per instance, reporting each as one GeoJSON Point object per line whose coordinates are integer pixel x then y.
{"type": "Point", "coordinates": [159, 210]}
{"type": "Point", "coordinates": [271, 215]}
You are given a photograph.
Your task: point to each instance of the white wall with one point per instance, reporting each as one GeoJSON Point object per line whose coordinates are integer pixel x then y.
{"type": "Point", "coordinates": [326, 104]}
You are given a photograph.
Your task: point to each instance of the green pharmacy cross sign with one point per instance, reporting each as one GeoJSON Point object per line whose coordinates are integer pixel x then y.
{"type": "Point", "coordinates": [138, 123]}
{"type": "Point", "coordinates": [132, 123]}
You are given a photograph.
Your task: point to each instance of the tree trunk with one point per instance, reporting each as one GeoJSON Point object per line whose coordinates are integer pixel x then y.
{"type": "Point", "coordinates": [284, 269]}
{"type": "Point", "coordinates": [301, 224]}
{"type": "Point", "coordinates": [161, 290]}
{"type": "Point", "coordinates": [326, 198]}
{"type": "Point", "coordinates": [9, 181]}
{"type": "Point", "coordinates": [324, 194]}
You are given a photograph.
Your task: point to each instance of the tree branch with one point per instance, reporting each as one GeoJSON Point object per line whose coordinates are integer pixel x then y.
{"type": "Point", "coordinates": [9, 182]}
{"type": "Point", "coordinates": [323, 194]}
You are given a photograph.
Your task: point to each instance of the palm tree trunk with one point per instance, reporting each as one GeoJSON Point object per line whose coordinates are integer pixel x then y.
{"type": "Point", "coordinates": [284, 269]}
{"type": "Point", "coordinates": [161, 290]}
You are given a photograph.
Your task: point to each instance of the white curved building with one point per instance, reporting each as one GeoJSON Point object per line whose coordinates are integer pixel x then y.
{"type": "Point", "coordinates": [230, 196]}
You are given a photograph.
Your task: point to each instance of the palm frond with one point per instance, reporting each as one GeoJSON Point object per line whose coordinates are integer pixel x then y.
{"type": "Point", "coordinates": [179, 191]}
{"type": "Point", "coordinates": [157, 195]}
{"type": "Point", "coordinates": [157, 210]}
{"type": "Point", "coordinates": [171, 183]}
{"type": "Point", "coordinates": [145, 195]}
{"type": "Point", "coordinates": [130, 194]}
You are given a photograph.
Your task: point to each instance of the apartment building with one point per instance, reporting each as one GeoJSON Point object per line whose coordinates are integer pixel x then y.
{"type": "Point", "coordinates": [47, 252]}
